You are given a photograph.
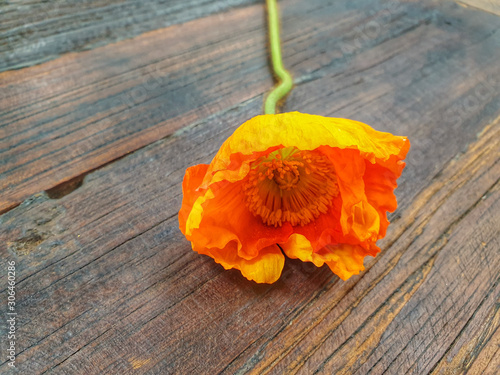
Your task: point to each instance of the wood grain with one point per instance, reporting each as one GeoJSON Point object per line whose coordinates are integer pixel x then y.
{"type": "Point", "coordinates": [105, 103]}
{"type": "Point", "coordinates": [120, 289]}
{"type": "Point", "coordinates": [37, 31]}
{"type": "Point", "coordinates": [106, 283]}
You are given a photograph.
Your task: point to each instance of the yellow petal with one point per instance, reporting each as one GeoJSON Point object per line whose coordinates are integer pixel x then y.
{"type": "Point", "coordinates": [344, 260]}
{"type": "Point", "coordinates": [264, 268]}
{"type": "Point", "coordinates": [308, 132]}
{"type": "Point", "coordinates": [298, 247]}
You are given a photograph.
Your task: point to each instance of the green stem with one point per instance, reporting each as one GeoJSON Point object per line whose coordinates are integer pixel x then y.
{"type": "Point", "coordinates": [286, 82]}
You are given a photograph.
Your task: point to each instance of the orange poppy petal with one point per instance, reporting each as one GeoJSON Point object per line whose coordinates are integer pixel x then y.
{"type": "Point", "coordinates": [190, 192]}
{"type": "Point", "coordinates": [233, 169]}
{"type": "Point", "coordinates": [222, 216]}
{"type": "Point", "coordinates": [380, 183]}
{"type": "Point", "coordinates": [264, 268]}
{"type": "Point", "coordinates": [329, 185]}
{"type": "Point", "coordinates": [358, 216]}
{"type": "Point", "coordinates": [326, 229]}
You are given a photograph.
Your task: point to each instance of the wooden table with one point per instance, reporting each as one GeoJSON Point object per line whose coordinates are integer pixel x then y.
{"type": "Point", "coordinates": [104, 105]}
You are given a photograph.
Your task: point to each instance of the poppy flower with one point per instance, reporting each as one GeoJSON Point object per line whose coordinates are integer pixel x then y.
{"type": "Point", "coordinates": [314, 188]}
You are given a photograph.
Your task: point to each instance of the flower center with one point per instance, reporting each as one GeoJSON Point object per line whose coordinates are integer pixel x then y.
{"type": "Point", "coordinates": [290, 185]}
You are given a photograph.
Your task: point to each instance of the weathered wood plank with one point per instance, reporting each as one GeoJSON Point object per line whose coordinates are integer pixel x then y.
{"type": "Point", "coordinates": [119, 288]}
{"type": "Point", "coordinates": [476, 349]}
{"type": "Point", "coordinates": [378, 325]}
{"type": "Point", "coordinates": [107, 102]}
{"type": "Point", "coordinates": [492, 6]}
{"type": "Point", "coordinates": [38, 31]}
{"type": "Point", "coordinates": [107, 284]}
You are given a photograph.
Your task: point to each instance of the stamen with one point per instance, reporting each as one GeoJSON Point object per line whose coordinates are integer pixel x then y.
{"type": "Point", "coordinates": [290, 185]}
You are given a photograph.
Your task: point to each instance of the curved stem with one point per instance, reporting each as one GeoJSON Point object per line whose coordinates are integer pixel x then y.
{"type": "Point", "coordinates": [286, 82]}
